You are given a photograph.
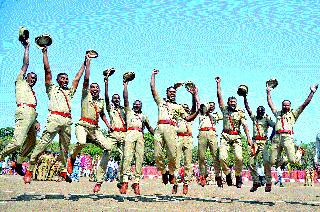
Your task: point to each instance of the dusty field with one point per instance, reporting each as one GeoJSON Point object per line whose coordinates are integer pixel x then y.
{"type": "Point", "coordinates": [78, 196]}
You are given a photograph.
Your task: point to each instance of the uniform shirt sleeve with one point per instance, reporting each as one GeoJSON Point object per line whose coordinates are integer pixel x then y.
{"type": "Point", "coordinates": [85, 92]}
{"type": "Point", "coordinates": [252, 117]}
{"type": "Point", "coordinates": [271, 123]}
{"type": "Point", "coordinates": [296, 113]}
{"type": "Point", "coordinates": [219, 116]}
{"type": "Point", "coordinates": [157, 99]}
{"type": "Point", "coordinates": [72, 92]}
{"type": "Point", "coordinates": [49, 88]}
{"type": "Point", "coordinates": [20, 77]}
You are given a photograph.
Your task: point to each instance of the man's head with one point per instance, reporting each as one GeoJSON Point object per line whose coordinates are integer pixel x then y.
{"type": "Point", "coordinates": [212, 106]}
{"type": "Point", "coordinates": [137, 106]}
{"type": "Point", "coordinates": [95, 90]}
{"type": "Point", "coordinates": [115, 100]}
{"type": "Point", "coordinates": [286, 105]}
{"type": "Point", "coordinates": [63, 80]}
{"type": "Point", "coordinates": [171, 94]}
{"type": "Point", "coordinates": [31, 79]}
{"type": "Point", "coordinates": [261, 111]}
{"type": "Point", "coordinates": [186, 108]}
{"type": "Point", "coordinates": [232, 102]}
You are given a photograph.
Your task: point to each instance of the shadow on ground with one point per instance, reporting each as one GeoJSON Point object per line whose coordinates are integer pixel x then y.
{"type": "Point", "coordinates": [146, 198]}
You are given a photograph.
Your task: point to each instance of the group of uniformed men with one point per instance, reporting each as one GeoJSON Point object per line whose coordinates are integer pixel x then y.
{"type": "Point", "coordinates": [173, 131]}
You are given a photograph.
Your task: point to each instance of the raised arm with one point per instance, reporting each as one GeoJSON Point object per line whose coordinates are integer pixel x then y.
{"type": "Point", "coordinates": [195, 104]}
{"type": "Point", "coordinates": [219, 94]}
{"type": "Point", "coordinates": [87, 73]}
{"type": "Point", "coordinates": [195, 100]}
{"type": "Point", "coordinates": [246, 104]}
{"type": "Point", "coordinates": [47, 70]}
{"type": "Point", "coordinates": [153, 85]}
{"type": "Point", "coordinates": [192, 116]}
{"type": "Point", "coordinates": [270, 103]}
{"type": "Point", "coordinates": [76, 79]}
{"type": "Point", "coordinates": [125, 94]}
{"type": "Point", "coordinates": [25, 64]}
{"type": "Point", "coordinates": [313, 89]}
{"type": "Point", "coordinates": [106, 93]}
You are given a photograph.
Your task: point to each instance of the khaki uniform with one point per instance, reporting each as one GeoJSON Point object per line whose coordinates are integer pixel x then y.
{"type": "Point", "coordinates": [260, 133]}
{"type": "Point", "coordinates": [25, 119]}
{"type": "Point", "coordinates": [184, 148]}
{"type": "Point", "coordinates": [166, 134]}
{"type": "Point", "coordinates": [134, 144]}
{"type": "Point", "coordinates": [283, 139]}
{"type": "Point", "coordinates": [231, 136]}
{"type": "Point", "coordinates": [59, 122]}
{"type": "Point", "coordinates": [118, 124]}
{"type": "Point", "coordinates": [208, 137]}
{"type": "Point", "coordinates": [87, 129]}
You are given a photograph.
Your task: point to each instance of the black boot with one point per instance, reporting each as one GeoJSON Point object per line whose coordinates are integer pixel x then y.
{"type": "Point", "coordinates": [219, 182]}
{"type": "Point", "coordinates": [238, 181]}
{"type": "Point", "coordinates": [229, 179]}
{"type": "Point", "coordinates": [18, 169]}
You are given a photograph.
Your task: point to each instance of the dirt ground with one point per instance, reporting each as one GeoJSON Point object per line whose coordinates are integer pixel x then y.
{"type": "Point", "coordinates": [78, 196]}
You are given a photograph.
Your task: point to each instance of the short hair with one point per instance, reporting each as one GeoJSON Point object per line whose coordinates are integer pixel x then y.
{"type": "Point", "coordinates": [170, 88]}
{"type": "Point", "coordinates": [115, 95]}
{"type": "Point", "coordinates": [60, 74]}
{"type": "Point", "coordinates": [212, 103]}
{"type": "Point", "coordinates": [32, 73]}
{"type": "Point", "coordinates": [232, 97]}
{"type": "Point", "coordinates": [137, 100]}
{"type": "Point", "coordinates": [286, 100]}
{"type": "Point", "coordinates": [261, 108]}
{"type": "Point", "coordinates": [94, 83]}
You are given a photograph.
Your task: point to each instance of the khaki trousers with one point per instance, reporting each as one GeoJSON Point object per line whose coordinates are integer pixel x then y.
{"type": "Point", "coordinates": [208, 139]}
{"type": "Point", "coordinates": [279, 143]}
{"type": "Point", "coordinates": [235, 141]}
{"type": "Point", "coordinates": [114, 139]}
{"type": "Point", "coordinates": [165, 136]}
{"type": "Point", "coordinates": [24, 137]}
{"type": "Point", "coordinates": [262, 152]}
{"type": "Point", "coordinates": [184, 149]}
{"type": "Point", "coordinates": [56, 124]}
{"type": "Point", "coordinates": [133, 146]}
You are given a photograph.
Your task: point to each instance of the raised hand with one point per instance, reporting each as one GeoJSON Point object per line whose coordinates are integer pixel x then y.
{"type": "Point", "coordinates": [218, 79]}
{"type": "Point", "coordinates": [314, 87]}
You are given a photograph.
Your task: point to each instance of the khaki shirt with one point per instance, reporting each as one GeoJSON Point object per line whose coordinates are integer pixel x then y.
{"type": "Point", "coordinates": [184, 126]}
{"type": "Point", "coordinates": [117, 117]}
{"type": "Point", "coordinates": [24, 93]}
{"type": "Point", "coordinates": [260, 126]}
{"type": "Point", "coordinates": [209, 121]}
{"type": "Point", "coordinates": [287, 120]}
{"type": "Point", "coordinates": [60, 99]}
{"type": "Point", "coordinates": [90, 108]}
{"type": "Point", "coordinates": [135, 120]}
{"type": "Point", "coordinates": [233, 119]}
{"type": "Point", "coordinates": [169, 111]}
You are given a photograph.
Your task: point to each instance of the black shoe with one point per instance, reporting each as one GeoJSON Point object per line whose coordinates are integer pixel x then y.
{"type": "Point", "coordinates": [68, 179]}
{"type": "Point", "coordinates": [219, 182]}
{"type": "Point", "coordinates": [175, 189]}
{"type": "Point", "coordinates": [255, 186]}
{"type": "Point", "coordinates": [119, 185]}
{"type": "Point", "coordinates": [238, 181]}
{"type": "Point", "coordinates": [229, 179]}
{"type": "Point", "coordinates": [165, 178]}
{"type": "Point", "coordinates": [19, 169]}
{"type": "Point", "coordinates": [171, 179]}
